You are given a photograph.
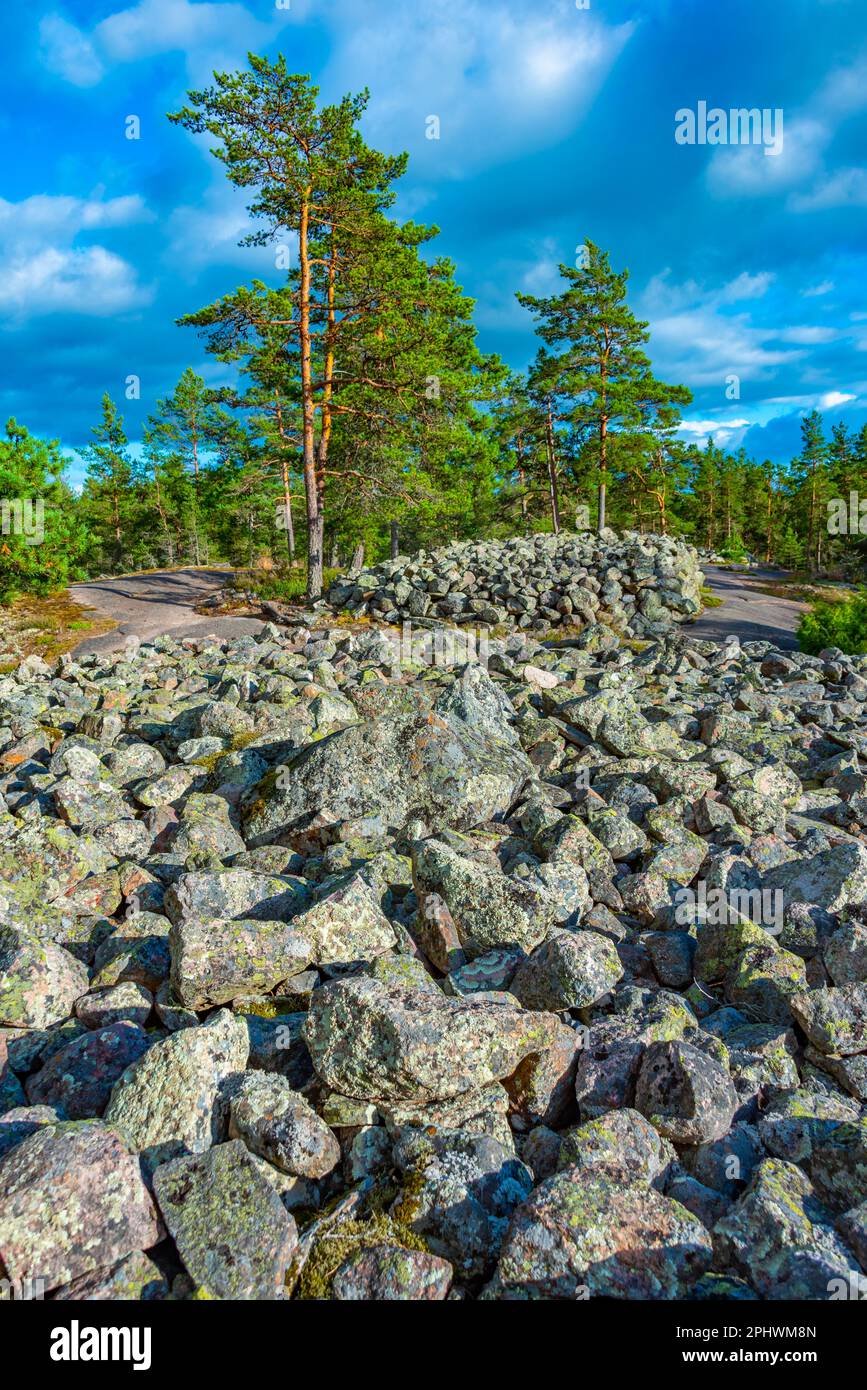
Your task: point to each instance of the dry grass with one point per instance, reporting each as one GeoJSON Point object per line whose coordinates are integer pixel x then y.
{"type": "Point", "coordinates": [45, 627]}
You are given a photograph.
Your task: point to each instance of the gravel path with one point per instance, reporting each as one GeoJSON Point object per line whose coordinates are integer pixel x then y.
{"type": "Point", "coordinates": [747, 613]}
{"type": "Point", "coordinates": [146, 605]}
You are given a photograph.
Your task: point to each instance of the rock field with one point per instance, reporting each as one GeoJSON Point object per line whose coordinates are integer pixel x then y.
{"type": "Point", "coordinates": [638, 585]}
{"type": "Point", "coordinates": [327, 975]}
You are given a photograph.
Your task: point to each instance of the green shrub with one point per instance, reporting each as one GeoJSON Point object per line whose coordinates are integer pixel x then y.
{"type": "Point", "coordinates": [734, 549]}
{"type": "Point", "coordinates": [842, 625]}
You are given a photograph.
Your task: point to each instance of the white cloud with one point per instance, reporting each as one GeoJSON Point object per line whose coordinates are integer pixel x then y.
{"type": "Point", "coordinates": [724, 432]}
{"type": "Point", "coordinates": [46, 272]}
{"type": "Point", "coordinates": [501, 77]}
{"type": "Point", "coordinates": [697, 337]}
{"type": "Point", "coordinates": [824, 287]}
{"type": "Point", "coordinates": [212, 35]}
{"type": "Point", "coordinates": [844, 188]}
{"type": "Point", "coordinates": [746, 171]}
{"type": "Point", "coordinates": [68, 52]}
{"type": "Point", "coordinates": [822, 400]}
{"type": "Point", "coordinates": [89, 281]}
{"type": "Point", "coordinates": [801, 169]}
{"type": "Point", "coordinates": [808, 335]}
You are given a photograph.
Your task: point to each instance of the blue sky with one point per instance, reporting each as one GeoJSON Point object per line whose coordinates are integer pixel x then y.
{"type": "Point", "coordinates": [557, 123]}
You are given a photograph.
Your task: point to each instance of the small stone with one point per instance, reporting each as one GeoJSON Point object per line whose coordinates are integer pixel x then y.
{"type": "Point", "coordinates": [278, 1124]}
{"type": "Point", "coordinates": [387, 1272]}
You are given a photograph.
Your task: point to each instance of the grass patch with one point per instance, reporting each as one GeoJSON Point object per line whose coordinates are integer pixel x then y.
{"type": "Point", "coordinates": [45, 627]}
{"type": "Point", "coordinates": [710, 599]}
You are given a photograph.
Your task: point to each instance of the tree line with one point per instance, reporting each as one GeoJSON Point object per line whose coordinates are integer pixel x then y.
{"type": "Point", "coordinates": [363, 412]}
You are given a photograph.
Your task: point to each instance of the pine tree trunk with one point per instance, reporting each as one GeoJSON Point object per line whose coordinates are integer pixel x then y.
{"type": "Point", "coordinates": [287, 491]}
{"type": "Point", "coordinates": [603, 471]}
{"type": "Point", "coordinates": [395, 540]}
{"type": "Point", "coordinates": [552, 472]}
{"type": "Point", "coordinates": [312, 490]}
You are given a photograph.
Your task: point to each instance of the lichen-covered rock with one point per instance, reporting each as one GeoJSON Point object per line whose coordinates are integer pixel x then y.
{"type": "Point", "coordinates": [835, 1020]}
{"type": "Point", "coordinates": [392, 1044]}
{"type": "Point", "coordinates": [236, 894]}
{"type": "Point", "coordinates": [169, 1101]}
{"type": "Point", "coordinates": [542, 1088]}
{"type": "Point", "coordinates": [135, 1279]}
{"type": "Point", "coordinates": [622, 1143]}
{"type": "Point", "coordinates": [838, 1163]}
{"type": "Point", "coordinates": [831, 879]}
{"type": "Point", "coordinates": [780, 1238]}
{"type": "Point", "coordinates": [215, 960]}
{"type": "Point", "coordinates": [458, 1192]}
{"type": "Point", "coordinates": [347, 924]}
{"type": "Point", "coordinates": [39, 982]}
{"type": "Point", "coordinates": [279, 1125]}
{"type": "Point", "coordinates": [845, 955]}
{"type": "Point", "coordinates": [762, 982]}
{"type": "Point", "coordinates": [124, 1003]}
{"type": "Point", "coordinates": [570, 970]}
{"type": "Point", "coordinates": [21, 1121]}
{"type": "Point", "coordinates": [586, 1235]}
{"type": "Point", "coordinates": [384, 1273]}
{"type": "Point", "coordinates": [685, 1094]}
{"type": "Point", "coordinates": [234, 1235]}
{"type": "Point", "coordinates": [393, 769]}
{"type": "Point", "coordinates": [489, 909]}
{"type": "Point", "coordinates": [78, 1080]}
{"type": "Point", "coordinates": [72, 1200]}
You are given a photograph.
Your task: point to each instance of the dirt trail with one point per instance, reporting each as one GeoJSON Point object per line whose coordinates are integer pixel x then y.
{"type": "Point", "coordinates": [146, 605]}
{"type": "Point", "coordinates": [746, 612]}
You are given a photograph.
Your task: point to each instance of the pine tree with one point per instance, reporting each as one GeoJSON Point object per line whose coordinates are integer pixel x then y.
{"type": "Point", "coordinates": [42, 538]}
{"type": "Point", "coordinates": [312, 178]}
{"type": "Point", "coordinates": [110, 501]}
{"type": "Point", "coordinates": [601, 366]}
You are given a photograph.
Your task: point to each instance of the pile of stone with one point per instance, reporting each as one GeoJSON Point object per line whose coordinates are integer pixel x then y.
{"type": "Point", "coordinates": [639, 585]}
{"type": "Point", "coordinates": [327, 977]}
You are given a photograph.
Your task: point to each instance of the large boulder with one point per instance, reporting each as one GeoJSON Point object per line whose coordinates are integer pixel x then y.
{"type": "Point", "coordinates": [384, 1043]}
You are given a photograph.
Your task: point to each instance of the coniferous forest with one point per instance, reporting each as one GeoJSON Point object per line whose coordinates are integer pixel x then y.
{"type": "Point", "coordinates": [362, 411]}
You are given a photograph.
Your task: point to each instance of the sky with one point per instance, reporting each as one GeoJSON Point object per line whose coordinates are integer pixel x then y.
{"type": "Point", "coordinates": [558, 123]}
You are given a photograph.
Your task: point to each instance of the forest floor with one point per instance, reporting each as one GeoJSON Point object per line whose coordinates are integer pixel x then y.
{"type": "Point", "coordinates": [31, 626]}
